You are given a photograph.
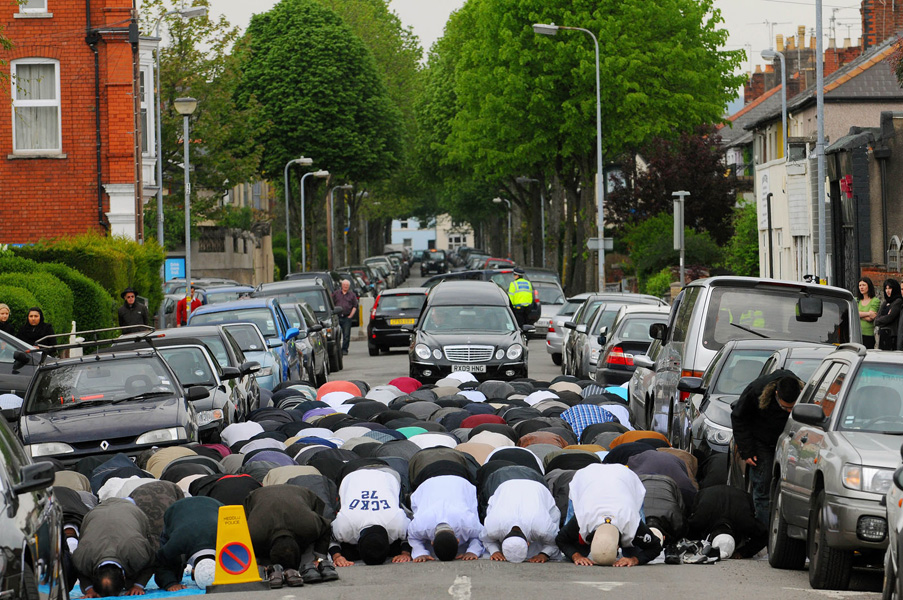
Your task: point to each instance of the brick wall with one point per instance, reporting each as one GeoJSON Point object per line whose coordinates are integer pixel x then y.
{"type": "Point", "coordinates": [880, 20]}
{"type": "Point", "coordinates": [47, 196]}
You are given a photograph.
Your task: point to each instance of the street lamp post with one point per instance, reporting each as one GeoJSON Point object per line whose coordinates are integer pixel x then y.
{"type": "Point", "coordinates": [331, 222]}
{"type": "Point", "coordinates": [508, 202]}
{"type": "Point", "coordinates": [186, 107]}
{"type": "Point", "coordinates": [189, 13]}
{"type": "Point", "coordinates": [306, 162]}
{"type": "Point", "coordinates": [542, 212]}
{"type": "Point", "coordinates": [550, 30]}
{"type": "Point", "coordinates": [319, 175]}
{"type": "Point", "coordinates": [680, 199]}
{"type": "Point", "coordinates": [770, 55]}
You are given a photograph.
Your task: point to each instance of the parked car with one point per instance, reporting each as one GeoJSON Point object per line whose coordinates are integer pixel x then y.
{"type": "Point", "coordinates": [893, 580]}
{"type": "Point", "coordinates": [551, 299]}
{"type": "Point", "coordinates": [331, 280]}
{"type": "Point", "coordinates": [612, 351]}
{"type": "Point", "coordinates": [402, 263]}
{"type": "Point", "coordinates": [385, 267]}
{"type": "Point", "coordinates": [536, 275]}
{"type": "Point", "coordinates": [254, 346]}
{"type": "Point", "coordinates": [556, 332]}
{"type": "Point", "coordinates": [711, 312]}
{"type": "Point", "coordinates": [268, 316]}
{"type": "Point", "coordinates": [31, 531]}
{"type": "Point", "coordinates": [169, 311]}
{"type": "Point", "coordinates": [133, 401]}
{"type": "Point", "coordinates": [433, 261]}
{"type": "Point", "coordinates": [468, 326]}
{"type": "Point", "coordinates": [14, 375]}
{"type": "Point", "coordinates": [320, 301]}
{"type": "Point", "coordinates": [311, 342]}
{"type": "Point", "coordinates": [243, 389]}
{"type": "Point", "coordinates": [227, 293]}
{"type": "Point", "coordinates": [707, 427]}
{"type": "Point", "coordinates": [373, 282]}
{"type": "Point", "coordinates": [394, 310]}
{"type": "Point", "coordinates": [497, 263]}
{"type": "Point", "coordinates": [834, 464]}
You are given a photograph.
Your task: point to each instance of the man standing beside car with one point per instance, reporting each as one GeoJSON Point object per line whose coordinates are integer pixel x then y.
{"type": "Point", "coordinates": [348, 302]}
{"type": "Point", "coordinates": [132, 312]}
{"type": "Point", "coordinates": [758, 418]}
{"type": "Point", "coordinates": [520, 293]}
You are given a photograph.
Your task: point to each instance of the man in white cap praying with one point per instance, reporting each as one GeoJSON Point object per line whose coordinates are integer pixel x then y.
{"type": "Point", "coordinates": [607, 502]}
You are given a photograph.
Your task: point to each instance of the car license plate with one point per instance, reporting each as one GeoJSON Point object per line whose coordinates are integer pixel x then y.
{"type": "Point", "coordinates": [469, 368]}
{"type": "Point", "coordinates": [402, 321]}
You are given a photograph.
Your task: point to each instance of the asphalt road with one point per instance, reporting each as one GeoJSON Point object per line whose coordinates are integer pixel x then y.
{"type": "Point", "coordinates": [487, 580]}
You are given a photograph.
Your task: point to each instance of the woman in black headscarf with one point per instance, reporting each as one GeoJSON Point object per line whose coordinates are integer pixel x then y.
{"type": "Point", "coordinates": [35, 328]}
{"type": "Point", "coordinates": [888, 315]}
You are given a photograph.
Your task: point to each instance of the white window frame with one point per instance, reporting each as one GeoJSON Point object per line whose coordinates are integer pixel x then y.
{"type": "Point", "coordinates": [146, 105]}
{"type": "Point", "coordinates": [17, 103]}
{"type": "Point", "coordinates": [23, 8]}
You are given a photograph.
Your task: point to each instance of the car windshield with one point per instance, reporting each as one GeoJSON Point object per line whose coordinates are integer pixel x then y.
{"type": "Point", "coordinates": [636, 329]}
{"type": "Point", "coordinates": [262, 317]}
{"type": "Point", "coordinates": [217, 346]}
{"type": "Point", "coordinates": [247, 337]}
{"type": "Point", "coordinates": [487, 319]}
{"type": "Point", "coordinates": [402, 301]}
{"type": "Point", "coordinates": [190, 365]}
{"type": "Point", "coordinates": [437, 255]}
{"type": "Point", "coordinates": [754, 313]}
{"type": "Point", "coordinates": [293, 315]}
{"type": "Point", "coordinates": [606, 319]}
{"type": "Point", "coordinates": [550, 294]}
{"type": "Point", "coordinates": [217, 297]}
{"type": "Point", "coordinates": [740, 368]}
{"type": "Point", "coordinates": [100, 382]}
{"type": "Point", "coordinates": [873, 403]}
{"type": "Point", "coordinates": [569, 308]}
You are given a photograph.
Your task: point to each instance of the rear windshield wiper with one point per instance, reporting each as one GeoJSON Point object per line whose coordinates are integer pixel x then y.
{"type": "Point", "coordinates": [761, 335]}
{"type": "Point", "coordinates": [144, 396]}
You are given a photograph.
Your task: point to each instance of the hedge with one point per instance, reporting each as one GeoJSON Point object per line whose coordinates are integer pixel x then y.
{"type": "Point", "coordinates": [19, 301]}
{"type": "Point", "coordinates": [114, 262]}
{"type": "Point", "coordinates": [92, 306]}
{"type": "Point", "coordinates": [53, 296]}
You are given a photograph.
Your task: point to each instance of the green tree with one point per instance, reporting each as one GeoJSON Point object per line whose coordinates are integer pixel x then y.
{"type": "Point", "coordinates": [202, 60]}
{"type": "Point", "coordinates": [742, 252]}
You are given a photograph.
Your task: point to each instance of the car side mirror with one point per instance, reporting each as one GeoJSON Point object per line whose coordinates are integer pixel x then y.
{"type": "Point", "coordinates": [898, 478]}
{"type": "Point", "coordinates": [274, 343]}
{"type": "Point", "coordinates": [249, 368]}
{"type": "Point", "coordinates": [570, 325]}
{"type": "Point", "coordinates": [11, 414]}
{"type": "Point", "coordinates": [658, 331]}
{"type": "Point", "coordinates": [581, 329]}
{"type": "Point", "coordinates": [230, 373]}
{"type": "Point", "coordinates": [196, 392]}
{"type": "Point", "coordinates": [291, 334]}
{"type": "Point", "coordinates": [603, 336]}
{"type": "Point", "coordinates": [20, 359]}
{"type": "Point", "coordinates": [643, 361]}
{"type": "Point", "coordinates": [527, 328]}
{"type": "Point", "coordinates": [809, 309]}
{"type": "Point", "coordinates": [692, 385]}
{"type": "Point", "coordinates": [315, 328]}
{"type": "Point", "coordinates": [809, 414]}
{"type": "Point", "coordinates": [337, 310]}
{"type": "Point", "coordinates": [34, 477]}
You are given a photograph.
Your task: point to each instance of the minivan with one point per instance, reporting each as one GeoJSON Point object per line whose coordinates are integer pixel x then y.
{"type": "Point", "coordinates": [710, 312]}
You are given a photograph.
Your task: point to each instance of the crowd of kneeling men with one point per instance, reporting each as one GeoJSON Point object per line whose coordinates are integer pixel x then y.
{"type": "Point", "coordinates": [522, 472]}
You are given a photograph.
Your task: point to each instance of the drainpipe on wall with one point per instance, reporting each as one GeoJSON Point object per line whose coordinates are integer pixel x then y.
{"type": "Point", "coordinates": [92, 38]}
{"type": "Point", "coordinates": [882, 154]}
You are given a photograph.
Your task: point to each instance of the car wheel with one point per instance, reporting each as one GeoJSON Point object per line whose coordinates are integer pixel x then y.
{"type": "Point", "coordinates": [334, 358]}
{"type": "Point", "coordinates": [373, 350]}
{"type": "Point", "coordinates": [829, 568]}
{"type": "Point", "coordinates": [784, 552]}
{"type": "Point", "coordinates": [556, 359]}
{"type": "Point", "coordinates": [322, 378]}
{"type": "Point", "coordinates": [341, 359]}
{"type": "Point", "coordinates": [890, 578]}
{"type": "Point", "coordinates": [29, 585]}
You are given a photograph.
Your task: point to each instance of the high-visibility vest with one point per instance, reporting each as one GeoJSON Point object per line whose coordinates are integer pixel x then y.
{"type": "Point", "coordinates": [520, 292]}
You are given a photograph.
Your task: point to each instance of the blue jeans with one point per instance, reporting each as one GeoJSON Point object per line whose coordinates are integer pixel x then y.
{"type": "Point", "coordinates": [345, 324]}
{"type": "Point", "coordinates": [760, 477]}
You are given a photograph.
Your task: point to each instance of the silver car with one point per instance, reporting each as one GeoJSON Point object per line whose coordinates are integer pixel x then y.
{"type": "Point", "coordinates": [834, 464]}
{"type": "Point", "coordinates": [551, 298]}
{"type": "Point", "coordinates": [556, 332]}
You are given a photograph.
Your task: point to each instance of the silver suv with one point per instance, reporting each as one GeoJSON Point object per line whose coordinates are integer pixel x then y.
{"type": "Point", "coordinates": [834, 463]}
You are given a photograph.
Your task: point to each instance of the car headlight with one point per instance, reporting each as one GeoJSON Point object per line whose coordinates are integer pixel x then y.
{"type": "Point", "coordinates": [172, 434]}
{"type": "Point", "coordinates": [515, 352]}
{"type": "Point", "coordinates": [422, 351]}
{"type": "Point", "coordinates": [48, 449]}
{"type": "Point", "coordinates": [716, 434]}
{"type": "Point", "coordinates": [205, 417]}
{"type": "Point", "coordinates": [264, 372]}
{"type": "Point", "coordinates": [437, 354]}
{"type": "Point", "coordinates": [867, 479]}
{"type": "Point", "coordinates": [499, 354]}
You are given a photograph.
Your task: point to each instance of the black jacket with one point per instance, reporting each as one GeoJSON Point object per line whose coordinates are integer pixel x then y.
{"type": "Point", "coordinates": [756, 418]}
{"type": "Point", "coordinates": [644, 547]}
{"type": "Point", "coordinates": [32, 333]}
{"type": "Point", "coordinates": [279, 510]}
{"type": "Point", "coordinates": [725, 509]}
{"type": "Point", "coordinates": [133, 314]}
{"type": "Point", "coordinates": [189, 526]}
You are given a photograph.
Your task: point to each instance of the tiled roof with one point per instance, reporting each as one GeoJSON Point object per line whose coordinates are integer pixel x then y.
{"type": "Point", "coordinates": [734, 133]}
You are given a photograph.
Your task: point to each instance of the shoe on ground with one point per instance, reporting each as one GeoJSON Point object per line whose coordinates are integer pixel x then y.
{"type": "Point", "coordinates": [275, 577]}
{"type": "Point", "coordinates": [293, 578]}
{"type": "Point", "coordinates": [310, 574]}
{"type": "Point", "coordinates": [672, 556]}
{"type": "Point", "coordinates": [687, 547]}
{"type": "Point", "coordinates": [694, 559]}
{"type": "Point", "coordinates": [344, 352]}
{"type": "Point", "coordinates": [327, 571]}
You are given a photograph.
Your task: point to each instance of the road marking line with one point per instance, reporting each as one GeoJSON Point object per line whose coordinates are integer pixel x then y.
{"type": "Point", "coordinates": [831, 593]}
{"type": "Point", "coordinates": [460, 589]}
{"type": "Point", "coordinates": [603, 586]}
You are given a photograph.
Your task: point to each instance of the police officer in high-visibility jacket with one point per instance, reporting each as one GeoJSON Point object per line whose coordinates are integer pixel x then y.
{"type": "Point", "coordinates": [520, 293]}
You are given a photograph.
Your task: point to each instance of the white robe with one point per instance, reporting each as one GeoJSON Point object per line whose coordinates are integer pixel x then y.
{"type": "Point", "coordinates": [607, 491]}
{"type": "Point", "coordinates": [526, 504]}
{"type": "Point", "coordinates": [445, 499]}
{"type": "Point", "coordinates": [369, 497]}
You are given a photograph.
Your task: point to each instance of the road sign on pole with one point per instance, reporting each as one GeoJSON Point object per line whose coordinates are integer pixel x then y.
{"type": "Point", "coordinates": [593, 244]}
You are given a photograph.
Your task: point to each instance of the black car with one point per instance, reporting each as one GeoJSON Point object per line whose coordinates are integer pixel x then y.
{"type": "Point", "coordinates": [331, 280]}
{"type": "Point", "coordinates": [433, 261]}
{"type": "Point", "coordinates": [310, 343]}
{"type": "Point", "coordinates": [736, 365]}
{"type": "Point", "coordinates": [124, 401]}
{"type": "Point", "coordinates": [14, 375]}
{"type": "Point", "coordinates": [31, 532]}
{"type": "Point", "coordinates": [394, 309]}
{"type": "Point", "coordinates": [468, 326]}
{"type": "Point", "coordinates": [319, 299]}
{"type": "Point", "coordinates": [500, 277]}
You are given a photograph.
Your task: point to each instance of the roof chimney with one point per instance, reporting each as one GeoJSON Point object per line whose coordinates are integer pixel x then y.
{"type": "Point", "coordinates": [846, 42]}
{"type": "Point", "coordinates": [832, 43]}
{"type": "Point", "coordinates": [801, 34]}
{"type": "Point", "coordinates": [758, 68]}
{"type": "Point", "coordinates": [779, 42]}
{"type": "Point", "coordinates": [812, 43]}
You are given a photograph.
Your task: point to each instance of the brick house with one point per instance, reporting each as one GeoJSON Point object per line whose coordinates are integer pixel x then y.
{"type": "Point", "coordinates": [79, 76]}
